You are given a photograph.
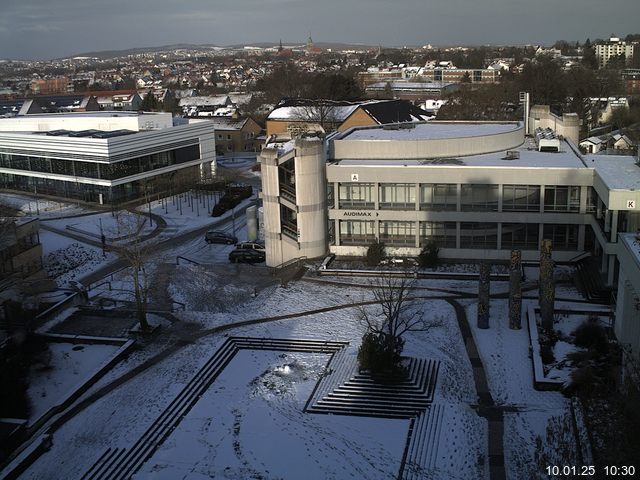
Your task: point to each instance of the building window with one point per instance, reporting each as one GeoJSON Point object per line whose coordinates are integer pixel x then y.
{"type": "Point", "coordinates": [397, 196]}
{"type": "Point", "coordinates": [398, 234]}
{"type": "Point", "coordinates": [479, 198]}
{"type": "Point", "coordinates": [442, 233]}
{"type": "Point", "coordinates": [289, 222]}
{"type": "Point", "coordinates": [521, 198]}
{"type": "Point", "coordinates": [330, 195]}
{"type": "Point", "coordinates": [357, 232]}
{"type": "Point", "coordinates": [478, 235]}
{"type": "Point", "coordinates": [219, 136]}
{"type": "Point", "coordinates": [438, 196]}
{"type": "Point", "coordinates": [520, 236]}
{"type": "Point", "coordinates": [561, 199]}
{"type": "Point", "coordinates": [229, 136]}
{"type": "Point", "coordinates": [564, 237]}
{"type": "Point", "coordinates": [356, 195]}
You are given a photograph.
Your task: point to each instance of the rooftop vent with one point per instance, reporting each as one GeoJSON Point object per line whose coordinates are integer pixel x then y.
{"type": "Point", "coordinates": [512, 155]}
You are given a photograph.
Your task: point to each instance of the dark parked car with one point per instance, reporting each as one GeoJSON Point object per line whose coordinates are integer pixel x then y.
{"type": "Point", "coordinates": [250, 246]}
{"type": "Point", "coordinates": [246, 256]}
{"type": "Point", "coordinates": [217, 236]}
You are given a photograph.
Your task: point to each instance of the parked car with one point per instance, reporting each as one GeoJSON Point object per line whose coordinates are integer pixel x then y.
{"type": "Point", "coordinates": [250, 246]}
{"type": "Point", "coordinates": [246, 256]}
{"type": "Point", "coordinates": [217, 236]}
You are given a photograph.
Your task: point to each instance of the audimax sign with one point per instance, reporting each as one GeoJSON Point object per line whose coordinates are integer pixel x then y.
{"type": "Point", "coordinates": [359, 214]}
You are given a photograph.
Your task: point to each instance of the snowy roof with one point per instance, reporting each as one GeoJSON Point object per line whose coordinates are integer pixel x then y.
{"type": "Point", "coordinates": [618, 172]}
{"type": "Point", "coordinates": [528, 158]}
{"type": "Point", "coordinates": [205, 101]}
{"type": "Point", "coordinates": [594, 140]}
{"type": "Point", "coordinates": [337, 113]}
{"type": "Point", "coordinates": [431, 131]}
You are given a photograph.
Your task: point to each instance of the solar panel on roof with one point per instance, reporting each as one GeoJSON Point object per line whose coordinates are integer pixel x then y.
{"type": "Point", "coordinates": [83, 133]}
{"type": "Point", "coordinates": [113, 133]}
{"type": "Point", "coordinates": [57, 133]}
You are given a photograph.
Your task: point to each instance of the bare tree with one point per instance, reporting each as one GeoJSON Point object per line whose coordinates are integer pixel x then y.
{"type": "Point", "coordinates": [396, 314]}
{"type": "Point", "coordinates": [321, 112]}
{"type": "Point", "coordinates": [134, 250]}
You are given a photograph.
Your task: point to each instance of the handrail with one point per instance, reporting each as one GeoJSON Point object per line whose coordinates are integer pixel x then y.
{"type": "Point", "coordinates": [579, 257]}
{"type": "Point", "coordinates": [184, 306]}
{"type": "Point", "coordinates": [187, 259]}
{"type": "Point", "coordinates": [106, 282]}
{"type": "Point", "coordinates": [283, 265]}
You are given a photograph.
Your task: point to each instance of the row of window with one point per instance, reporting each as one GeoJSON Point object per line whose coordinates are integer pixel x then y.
{"type": "Point", "coordinates": [96, 193]}
{"type": "Point", "coordinates": [403, 196]}
{"type": "Point", "coordinates": [475, 235]}
{"type": "Point", "coordinates": [105, 171]}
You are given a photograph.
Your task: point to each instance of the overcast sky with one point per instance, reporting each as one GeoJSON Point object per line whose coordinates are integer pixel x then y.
{"type": "Point", "coordinates": [43, 29]}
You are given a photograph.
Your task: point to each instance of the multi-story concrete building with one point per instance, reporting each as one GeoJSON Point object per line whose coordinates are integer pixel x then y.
{"type": "Point", "coordinates": [103, 157]}
{"type": "Point", "coordinates": [614, 48]}
{"type": "Point", "coordinates": [460, 75]}
{"type": "Point", "coordinates": [20, 248]}
{"type": "Point", "coordinates": [478, 190]}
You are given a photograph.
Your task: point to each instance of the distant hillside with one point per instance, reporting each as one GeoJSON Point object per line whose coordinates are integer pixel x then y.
{"type": "Point", "coordinates": [104, 54]}
{"type": "Point", "coordinates": [137, 51]}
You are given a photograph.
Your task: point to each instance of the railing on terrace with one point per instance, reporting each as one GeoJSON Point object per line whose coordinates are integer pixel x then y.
{"type": "Point", "coordinates": [288, 192]}
{"type": "Point", "coordinates": [290, 230]}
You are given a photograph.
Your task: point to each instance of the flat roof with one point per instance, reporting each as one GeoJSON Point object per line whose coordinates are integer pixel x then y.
{"type": "Point", "coordinates": [429, 131]}
{"type": "Point", "coordinates": [530, 157]}
{"type": "Point", "coordinates": [618, 172]}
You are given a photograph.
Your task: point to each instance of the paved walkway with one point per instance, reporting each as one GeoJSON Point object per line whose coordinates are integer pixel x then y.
{"type": "Point", "coordinates": [486, 406]}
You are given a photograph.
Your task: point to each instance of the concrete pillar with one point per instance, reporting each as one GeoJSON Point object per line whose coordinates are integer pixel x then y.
{"type": "Point", "coordinates": [614, 226]}
{"type": "Point", "coordinates": [581, 237]}
{"type": "Point", "coordinates": [611, 270]}
{"type": "Point", "coordinates": [458, 198]}
{"type": "Point", "coordinates": [499, 237]}
{"type": "Point", "coordinates": [541, 200]}
{"type": "Point", "coordinates": [583, 199]}
{"type": "Point", "coordinates": [500, 192]}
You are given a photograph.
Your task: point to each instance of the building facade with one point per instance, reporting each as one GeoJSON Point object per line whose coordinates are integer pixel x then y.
{"type": "Point", "coordinates": [20, 248]}
{"type": "Point", "coordinates": [103, 157]}
{"type": "Point", "coordinates": [478, 190]}
{"type": "Point", "coordinates": [614, 48]}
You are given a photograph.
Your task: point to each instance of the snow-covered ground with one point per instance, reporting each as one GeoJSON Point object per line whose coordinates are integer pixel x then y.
{"type": "Point", "coordinates": [66, 259]}
{"type": "Point", "coordinates": [68, 367]}
{"type": "Point", "coordinates": [250, 423]}
{"type": "Point", "coordinates": [122, 224]}
{"type": "Point", "coordinates": [505, 355]}
{"type": "Point", "coordinates": [333, 447]}
{"type": "Point", "coordinates": [33, 206]}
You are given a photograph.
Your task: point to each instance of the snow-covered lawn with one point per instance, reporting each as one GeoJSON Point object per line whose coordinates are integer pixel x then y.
{"type": "Point", "coordinates": [255, 399]}
{"type": "Point", "coordinates": [69, 366]}
{"type": "Point", "coordinates": [505, 355]}
{"type": "Point", "coordinates": [122, 224]}
{"type": "Point", "coordinates": [32, 206]}
{"type": "Point", "coordinates": [182, 215]}
{"type": "Point", "coordinates": [251, 424]}
{"type": "Point", "coordinates": [66, 259]}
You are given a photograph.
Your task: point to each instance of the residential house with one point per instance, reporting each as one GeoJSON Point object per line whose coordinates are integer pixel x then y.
{"type": "Point", "coordinates": [236, 135]}
{"type": "Point", "coordinates": [294, 116]}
